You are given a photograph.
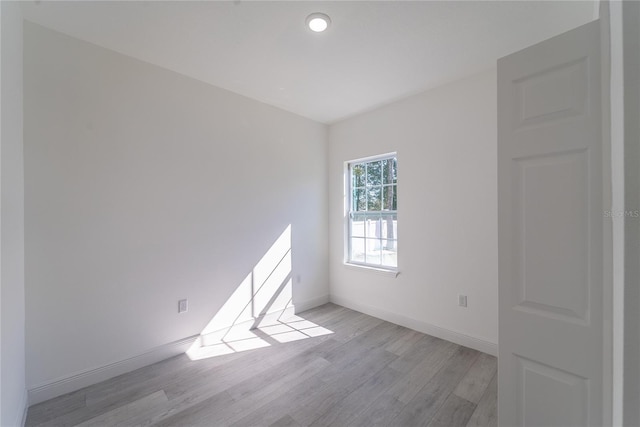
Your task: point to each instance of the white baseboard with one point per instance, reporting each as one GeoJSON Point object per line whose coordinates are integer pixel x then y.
{"type": "Point", "coordinates": [311, 303]}
{"type": "Point", "coordinates": [88, 377]}
{"type": "Point", "coordinates": [420, 326]}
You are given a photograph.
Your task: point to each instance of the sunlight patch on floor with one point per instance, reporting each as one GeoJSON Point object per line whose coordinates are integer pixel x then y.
{"type": "Point", "coordinates": [269, 332]}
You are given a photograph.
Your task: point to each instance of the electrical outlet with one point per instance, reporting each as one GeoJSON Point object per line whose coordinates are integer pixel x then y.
{"type": "Point", "coordinates": [182, 306]}
{"type": "Point", "coordinates": [462, 300]}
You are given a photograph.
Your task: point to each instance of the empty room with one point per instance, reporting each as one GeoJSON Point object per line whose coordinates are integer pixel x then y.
{"type": "Point", "coordinates": [300, 213]}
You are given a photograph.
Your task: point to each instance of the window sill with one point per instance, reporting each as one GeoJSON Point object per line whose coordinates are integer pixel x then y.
{"type": "Point", "coordinates": [379, 271]}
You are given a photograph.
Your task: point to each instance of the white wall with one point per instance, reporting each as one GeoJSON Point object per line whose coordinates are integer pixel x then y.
{"type": "Point", "coordinates": [12, 372]}
{"type": "Point", "coordinates": [446, 144]}
{"type": "Point", "coordinates": [142, 187]}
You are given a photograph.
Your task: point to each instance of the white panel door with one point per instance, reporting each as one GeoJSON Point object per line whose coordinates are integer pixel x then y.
{"type": "Point", "coordinates": [550, 209]}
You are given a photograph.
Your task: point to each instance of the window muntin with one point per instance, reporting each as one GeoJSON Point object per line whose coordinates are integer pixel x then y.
{"type": "Point", "coordinates": [372, 229]}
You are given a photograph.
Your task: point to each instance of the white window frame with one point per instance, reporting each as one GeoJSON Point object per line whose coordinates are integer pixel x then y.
{"type": "Point", "coordinates": [348, 200]}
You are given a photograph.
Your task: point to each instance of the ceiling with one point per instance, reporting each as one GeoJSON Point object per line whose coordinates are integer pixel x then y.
{"type": "Point", "coordinates": [373, 53]}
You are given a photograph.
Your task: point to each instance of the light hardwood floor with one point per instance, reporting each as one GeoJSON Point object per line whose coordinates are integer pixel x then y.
{"type": "Point", "coordinates": [368, 372]}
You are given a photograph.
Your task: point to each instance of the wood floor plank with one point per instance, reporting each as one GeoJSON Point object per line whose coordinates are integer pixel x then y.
{"type": "Point", "coordinates": [306, 401]}
{"type": "Point", "coordinates": [285, 421]}
{"type": "Point", "coordinates": [55, 408]}
{"type": "Point", "coordinates": [255, 391]}
{"type": "Point", "coordinates": [380, 336]}
{"type": "Point", "coordinates": [360, 323]}
{"type": "Point", "coordinates": [263, 397]}
{"type": "Point", "coordinates": [254, 363]}
{"type": "Point", "coordinates": [97, 393]}
{"type": "Point", "coordinates": [422, 372]}
{"type": "Point", "coordinates": [347, 409]}
{"type": "Point", "coordinates": [486, 414]}
{"type": "Point", "coordinates": [420, 363]}
{"type": "Point", "coordinates": [291, 369]}
{"type": "Point", "coordinates": [201, 413]}
{"type": "Point", "coordinates": [234, 409]}
{"type": "Point", "coordinates": [188, 387]}
{"type": "Point", "coordinates": [332, 317]}
{"type": "Point", "coordinates": [422, 408]}
{"type": "Point", "coordinates": [86, 413]}
{"type": "Point", "coordinates": [380, 413]}
{"type": "Point", "coordinates": [314, 406]}
{"type": "Point", "coordinates": [365, 372]}
{"type": "Point", "coordinates": [474, 384]}
{"type": "Point", "coordinates": [328, 314]}
{"type": "Point", "coordinates": [355, 365]}
{"type": "Point", "coordinates": [424, 346]}
{"type": "Point", "coordinates": [404, 342]}
{"type": "Point", "coordinates": [454, 412]}
{"type": "Point", "coordinates": [123, 414]}
{"type": "Point", "coordinates": [189, 378]}
{"type": "Point", "coordinates": [147, 416]}
{"type": "Point", "coordinates": [133, 385]}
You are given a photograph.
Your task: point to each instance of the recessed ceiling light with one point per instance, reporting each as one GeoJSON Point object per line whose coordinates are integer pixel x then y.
{"type": "Point", "coordinates": [318, 22]}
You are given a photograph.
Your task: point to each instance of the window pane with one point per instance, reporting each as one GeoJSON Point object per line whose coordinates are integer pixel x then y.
{"type": "Point", "coordinates": [357, 250]}
{"type": "Point", "coordinates": [372, 227]}
{"type": "Point", "coordinates": [374, 173]}
{"type": "Point", "coordinates": [389, 227]}
{"type": "Point", "coordinates": [389, 171]}
{"type": "Point", "coordinates": [387, 197]}
{"type": "Point", "coordinates": [359, 202]}
{"type": "Point", "coordinates": [395, 170]}
{"type": "Point", "coordinates": [390, 254]}
{"type": "Point", "coordinates": [358, 222]}
{"type": "Point", "coordinates": [390, 245]}
{"type": "Point", "coordinates": [374, 199]}
{"type": "Point", "coordinates": [373, 253]}
{"type": "Point", "coordinates": [357, 172]}
{"type": "Point", "coordinates": [394, 203]}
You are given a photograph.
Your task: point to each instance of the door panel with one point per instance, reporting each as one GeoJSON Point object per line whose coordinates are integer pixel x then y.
{"type": "Point", "coordinates": [550, 211]}
{"type": "Point", "coordinates": [544, 388]}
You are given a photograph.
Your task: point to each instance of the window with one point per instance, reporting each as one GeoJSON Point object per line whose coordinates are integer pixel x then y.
{"type": "Point", "coordinates": [372, 229]}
